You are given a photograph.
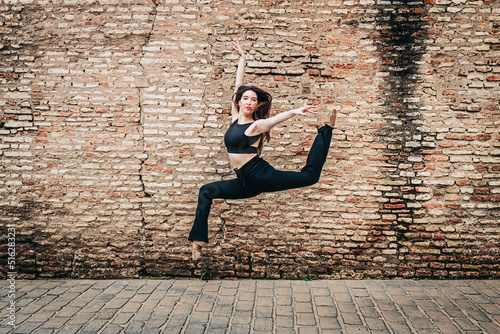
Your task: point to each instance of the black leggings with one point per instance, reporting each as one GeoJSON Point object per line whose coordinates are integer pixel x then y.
{"type": "Point", "coordinates": [257, 177]}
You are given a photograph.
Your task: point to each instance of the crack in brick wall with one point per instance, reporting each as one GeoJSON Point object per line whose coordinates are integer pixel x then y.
{"type": "Point", "coordinates": [141, 84]}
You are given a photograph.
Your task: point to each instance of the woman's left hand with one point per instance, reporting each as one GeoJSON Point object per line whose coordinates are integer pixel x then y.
{"type": "Point", "coordinates": [237, 48]}
{"type": "Point", "coordinates": [305, 110]}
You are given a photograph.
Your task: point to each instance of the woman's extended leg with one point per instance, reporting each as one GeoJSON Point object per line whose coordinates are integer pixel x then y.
{"type": "Point", "coordinates": [230, 189]}
{"type": "Point", "coordinates": [276, 180]}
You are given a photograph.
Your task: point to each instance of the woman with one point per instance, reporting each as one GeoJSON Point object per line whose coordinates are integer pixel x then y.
{"type": "Point", "coordinates": [250, 126]}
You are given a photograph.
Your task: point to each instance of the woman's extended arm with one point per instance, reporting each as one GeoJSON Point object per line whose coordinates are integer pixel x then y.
{"type": "Point", "coordinates": [240, 75]}
{"type": "Point", "coordinates": [264, 125]}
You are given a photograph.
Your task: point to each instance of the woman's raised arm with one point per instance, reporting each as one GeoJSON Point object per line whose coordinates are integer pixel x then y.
{"type": "Point", "coordinates": [264, 125]}
{"type": "Point", "coordinates": [240, 75]}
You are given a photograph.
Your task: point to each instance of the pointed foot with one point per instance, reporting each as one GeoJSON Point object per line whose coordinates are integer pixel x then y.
{"type": "Point", "coordinates": [196, 249]}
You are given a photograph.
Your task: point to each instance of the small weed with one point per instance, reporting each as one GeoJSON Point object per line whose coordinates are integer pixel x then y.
{"type": "Point", "coordinates": [205, 274]}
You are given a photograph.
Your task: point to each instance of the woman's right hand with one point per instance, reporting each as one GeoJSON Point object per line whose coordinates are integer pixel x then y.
{"type": "Point", "coordinates": [304, 110]}
{"type": "Point", "coordinates": [237, 48]}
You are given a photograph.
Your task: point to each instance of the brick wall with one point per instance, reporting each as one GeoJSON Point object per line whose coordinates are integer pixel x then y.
{"type": "Point", "coordinates": [113, 114]}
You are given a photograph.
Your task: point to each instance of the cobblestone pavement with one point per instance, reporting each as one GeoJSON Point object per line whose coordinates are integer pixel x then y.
{"type": "Point", "coordinates": [251, 306]}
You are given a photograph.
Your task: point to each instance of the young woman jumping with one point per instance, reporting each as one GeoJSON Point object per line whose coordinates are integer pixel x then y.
{"type": "Point", "coordinates": [244, 139]}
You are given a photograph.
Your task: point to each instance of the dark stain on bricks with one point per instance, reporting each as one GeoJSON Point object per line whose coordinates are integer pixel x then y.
{"type": "Point", "coordinates": [400, 40]}
{"type": "Point", "coordinates": [20, 217]}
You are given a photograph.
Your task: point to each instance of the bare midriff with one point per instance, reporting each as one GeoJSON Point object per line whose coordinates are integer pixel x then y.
{"type": "Point", "coordinates": [238, 160]}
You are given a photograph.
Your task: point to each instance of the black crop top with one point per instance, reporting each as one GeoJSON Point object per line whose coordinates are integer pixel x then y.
{"type": "Point", "coordinates": [237, 141]}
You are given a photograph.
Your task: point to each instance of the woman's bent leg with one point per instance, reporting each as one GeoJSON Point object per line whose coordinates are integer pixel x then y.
{"type": "Point", "coordinates": [230, 189]}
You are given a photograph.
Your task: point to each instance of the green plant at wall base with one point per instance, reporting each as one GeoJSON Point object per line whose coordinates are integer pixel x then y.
{"type": "Point", "coordinates": [205, 274]}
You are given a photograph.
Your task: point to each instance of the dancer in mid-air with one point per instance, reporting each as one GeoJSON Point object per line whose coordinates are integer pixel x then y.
{"type": "Point", "coordinates": [250, 127]}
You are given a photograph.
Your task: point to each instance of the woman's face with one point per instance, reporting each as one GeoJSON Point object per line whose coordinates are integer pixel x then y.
{"type": "Point", "coordinates": [248, 102]}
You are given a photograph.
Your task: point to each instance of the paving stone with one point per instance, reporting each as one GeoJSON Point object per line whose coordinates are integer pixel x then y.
{"type": "Point", "coordinates": [116, 303]}
{"type": "Point", "coordinates": [264, 302]}
{"type": "Point", "coordinates": [93, 326]}
{"type": "Point", "coordinates": [26, 327]}
{"type": "Point", "coordinates": [306, 319]}
{"type": "Point", "coordinates": [238, 329]}
{"type": "Point", "coordinates": [130, 307]}
{"type": "Point", "coordinates": [176, 329]}
{"type": "Point", "coordinates": [282, 330]}
{"type": "Point", "coordinates": [375, 324]}
{"type": "Point", "coordinates": [137, 326]}
{"type": "Point", "coordinates": [466, 325]}
{"type": "Point", "coordinates": [302, 297]}
{"type": "Point", "coordinates": [42, 330]}
{"type": "Point", "coordinates": [245, 306]}
{"type": "Point", "coordinates": [284, 300]}
{"type": "Point", "coordinates": [347, 307]}
{"type": "Point", "coordinates": [204, 306]}
{"type": "Point", "coordinates": [223, 310]}
{"type": "Point", "coordinates": [394, 317]}
{"type": "Point", "coordinates": [283, 321]}
{"type": "Point", "coordinates": [264, 293]}
{"type": "Point", "coordinates": [369, 312]}
{"type": "Point", "coordinates": [122, 318]}
{"type": "Point", "coordinates": [303, 307]}
{"type": "Point", "coordinates": [363, 302]}
{"type": "Point", "coordinates": [490, 327]}
{"type": "Point", "coordinates": [421, 323]}
{"type": "Point", "coordinates": [351, 318]}
{"type": "Point", "coordinates": [242, 317]}
{"type": "Point", "coordinates": [284, 291]}
{"type": "Point", "coordinates": [478, 315]}
{"type": "Point", "coordinates": [349, 329]}
{"type": "Point", "coordinates": [308, 330]}
{"type": "Point", "coordinates": [284, 310]}
{"type": "Point", "coordinates": [263, 312]}
{"type": "Point", "coordinates": [326, 323]}
{"type": "Point", "coordinates": [201, 317]}
{"type": "Point", "coordinates": [70, 329]}
{"type": "Point", "coordinates": [400, 328]}
{"type": "Point", "coordinates": [218, 331]}
{"type": "Point", "coordinates": [323, 301]}
{"type": "Point", "coordinates": [81, 318]}
{"type": "Point", "coordinates": [226, 300]}
{"type": "Point", "coordinates": [263, 325]}
{"type": "Point", "coordinates": [246, 296]}
{"type": "Point", "coordinates": [218, 322]}
{"type": "Point", "coordinates": [41, 316]}
{"type": "Point", "coordinates": [106, 314]}
{"type": "Point", "coordinates": [343, 297]}
{"type": "Point", "coordinates": [55, 322]}
{"type": "Point", "coordinates": [359, 292]}
{"type": "Point", "coordinates": [387, 306]}
{"type": "Point", "coordinates": [154, 325]}
{"type": "Point", "coordinates": [112, 329]}
{"type": "Point", "coordinates": [320, 291]}
{"type": "Point", "coordinates": [447, 327]}
{"type": "Point", "coordinates": [326, 311]}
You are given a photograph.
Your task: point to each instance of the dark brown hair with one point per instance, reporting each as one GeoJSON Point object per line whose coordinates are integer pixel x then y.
{"type": "Point", "coordinates": [263, 110]}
